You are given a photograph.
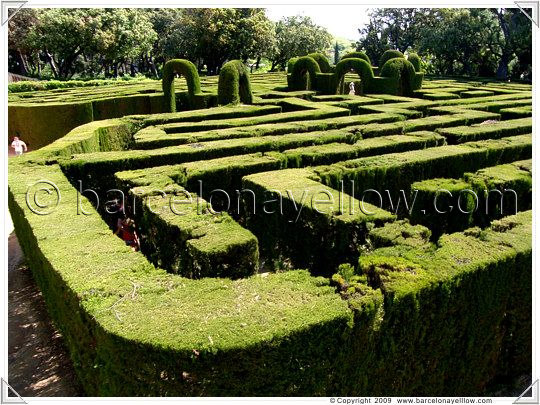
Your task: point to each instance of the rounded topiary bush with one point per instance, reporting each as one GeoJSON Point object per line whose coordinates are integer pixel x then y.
{"type": "Point", "coordinates": [290, 64]}
{"type": "Point", "coordinates": [359, 66]}
{"type": "Point", "coordinates": [390, 54]}
{"type": "Point", "coordinates": [358, 55]}
{"type": "Point", "coordinates": [184, 68]}
{"type": "Point", "coordinates": [303, 65]}
{"type": "Point", "coordinates": [415, 61]}
{"type": "Point", "coordinates": [233, 84]}
{"type": "Point", "coordinates": [402, 70]}
{"type": "Point", "coordinates": [322, 61]}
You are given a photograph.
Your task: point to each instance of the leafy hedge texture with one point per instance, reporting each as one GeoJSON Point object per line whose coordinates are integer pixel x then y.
{"type": "Point", "coordinates": [392, 299]}
{"type": "Point", "coordinates": [234, 86]}
{"type": "Point", "coordinates": [182, 67]}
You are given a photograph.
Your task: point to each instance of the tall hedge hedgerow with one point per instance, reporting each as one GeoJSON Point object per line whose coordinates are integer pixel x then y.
{"type": "Point", "coordinates": [302, 67]}
{"type": "Point", "coordinates": [233, 85]}
{"type": "Point", "coordinates": [185, 68]}
{"type": "Point", "coordinates": [390, 54]}
{"type": "Point", "coordinates": [322, 61]}
{"type": "Point", "coordinates": [415, 60]}
{"type": "Point", "coordinates": [357, 54]}
{"type": "Point", "coordinates": [402, 70]}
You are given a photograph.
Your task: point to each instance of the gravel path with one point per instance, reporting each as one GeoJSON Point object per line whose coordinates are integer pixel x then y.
{"type": "Point", "coordinates": [38, 363]}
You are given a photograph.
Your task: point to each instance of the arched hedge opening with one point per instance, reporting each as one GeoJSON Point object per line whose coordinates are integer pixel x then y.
{"type": "Point", "coordinates": [322, 61]}
{"type": "Point", "coordinates": [302, 66]}
{"type": "Point", "coordinates": [359, 66]}
{"type": "Point", "coordinates": [357, 55]}
{"type": "Point", "coordinates": [389, 54]}
{"type": "Point", "coordinates": [233, 84]}
{"type": "Point", "coordinates": [184, 68]}
{"type": "Point", "coordinates": [402, 70]}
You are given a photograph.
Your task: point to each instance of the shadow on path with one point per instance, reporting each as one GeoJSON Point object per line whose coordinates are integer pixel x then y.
{"type": "Point", "coordinates": [38, 362]}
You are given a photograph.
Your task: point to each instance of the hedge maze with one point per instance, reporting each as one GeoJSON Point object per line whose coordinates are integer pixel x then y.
{"type": "Point", "coordinates": [265, 266]}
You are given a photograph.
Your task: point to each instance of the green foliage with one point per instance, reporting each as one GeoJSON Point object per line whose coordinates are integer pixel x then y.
{"type": "Point", "coordinates": [234, 85]}
{"type": "Point", "coordinates": [389, 54]}
{"type": "Point", "coordinates": [357, 54]}
{"type": "Point", "coordinates": [431, 295]}
{"type": "Point", "coordinates": [186, 69]}
{"type": "Point", "coordinates": [402, 71]}
{"type": "Point", "coordinates": [298, 36]}
{"type": "Point", "coordinates": [359, 66]}
{"type": "Point", "coordinates": [415, 60]}
{"type": "Point", "coordinates": [490, 130]}
{"type": "Point", "coordinates": [444, 205]}
{"type": "Point", "coordinates": [191, 316]}
{"type": "Point", "coordinates": [304, 67]}
{"type": "Point", "coordinates": [24, 86]}
{"type": "Point", "coordinates": [322, 61]}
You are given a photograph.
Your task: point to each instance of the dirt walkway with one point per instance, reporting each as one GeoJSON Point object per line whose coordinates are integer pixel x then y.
{"type": "Point", "coordinates": [38, 362]}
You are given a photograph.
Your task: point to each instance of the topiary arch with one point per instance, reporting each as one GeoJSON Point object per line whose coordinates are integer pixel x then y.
{"type": "Point", "coordinates": [360, 66]}
{"type": "Point", "coordinates": [389, 54]}
{"type": "Point", "coordinates": [233, 85]}
{"type": "Point", "coordinates": [402, 70]}
{"type": "Point", "coordinates": [184, 68]}
{"type": "Point", "coordinates": [303, 65]}
{"type": "Point", "coordinates": [322, 61]}
{"type": "Point", "coordinates": [357, 54]}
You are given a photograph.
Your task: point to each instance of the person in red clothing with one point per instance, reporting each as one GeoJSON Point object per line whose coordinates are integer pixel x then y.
{"type": "Point", "coordinates": [125, 228]}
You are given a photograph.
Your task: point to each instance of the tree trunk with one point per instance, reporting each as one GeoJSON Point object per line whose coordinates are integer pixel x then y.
{"type": "Point", "coordinates": [23, 64]}
{"type": "Point", "coordinates": [502, 70]}
{"type": "Point", "coordinates": [153, 66]}
{"type": "Point", "coordinates": [54, 67]}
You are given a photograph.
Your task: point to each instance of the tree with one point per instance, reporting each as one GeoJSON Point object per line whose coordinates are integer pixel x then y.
{"type": "Point", "coordinates": [516, 39]}
{"type": "Point", "coordinates": [24, 55]}
{"type": "Point", "coordinates": [63, 35]}
{"type": "Point", "coordinates": [373, 42]}
{"type": "Point", "coordinates": [298, 36]}
{"type": "Point", "coordinates": [455, 41]}
{"type": "Point", "coordinates": [124, 35]}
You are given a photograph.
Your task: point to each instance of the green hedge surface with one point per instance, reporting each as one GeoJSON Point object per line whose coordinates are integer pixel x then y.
{"type": "Point", "coordinates": [269, 266]}
{"type": "Point", "coordinates": [234, 85]}
{"type": "Point", "coordinates": [186, 69]}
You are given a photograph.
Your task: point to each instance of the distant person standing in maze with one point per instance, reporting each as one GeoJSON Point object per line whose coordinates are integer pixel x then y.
{"type": "Point", "coordinates": [18, 145]}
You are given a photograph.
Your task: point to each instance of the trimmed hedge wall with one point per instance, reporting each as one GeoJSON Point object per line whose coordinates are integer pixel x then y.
{"type": "Point", "coordinates": [357, 54]}
{"type": "Point", "coordinates": [322, 61]}
{"type": "Point", "coordinates": [234, 86]}
{"type": "Point", "coordinates": [402, 71]}
{"type": "Point", "coordinates": [302, 67]}
{"type": "Point", "coordinates": [415, 61]}
{"type": "Point", "coordinates": [405, 316]}
{"type": "Point", "coordinates": [398, 78]}
{"type": "Point", "coordinates": [389, 54]}
{"type": "Point", "coordinates": [185, 68]}
{"type": "Point", "coordinates": [440, 320]}
{"type": "Point", "coordinates": [360, 66]}
{"type": "Point", "coordinates": [33, 123]}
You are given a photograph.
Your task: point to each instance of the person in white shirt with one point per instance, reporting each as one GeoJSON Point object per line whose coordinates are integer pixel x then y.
{"type": "Point", "coordinates": [18, 145]}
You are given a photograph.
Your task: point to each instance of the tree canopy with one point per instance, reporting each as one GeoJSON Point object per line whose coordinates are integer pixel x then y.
{"type": "Point", "coordinates": [475, 41]}
{"type": "Point", "coordinates": [97, 42]}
